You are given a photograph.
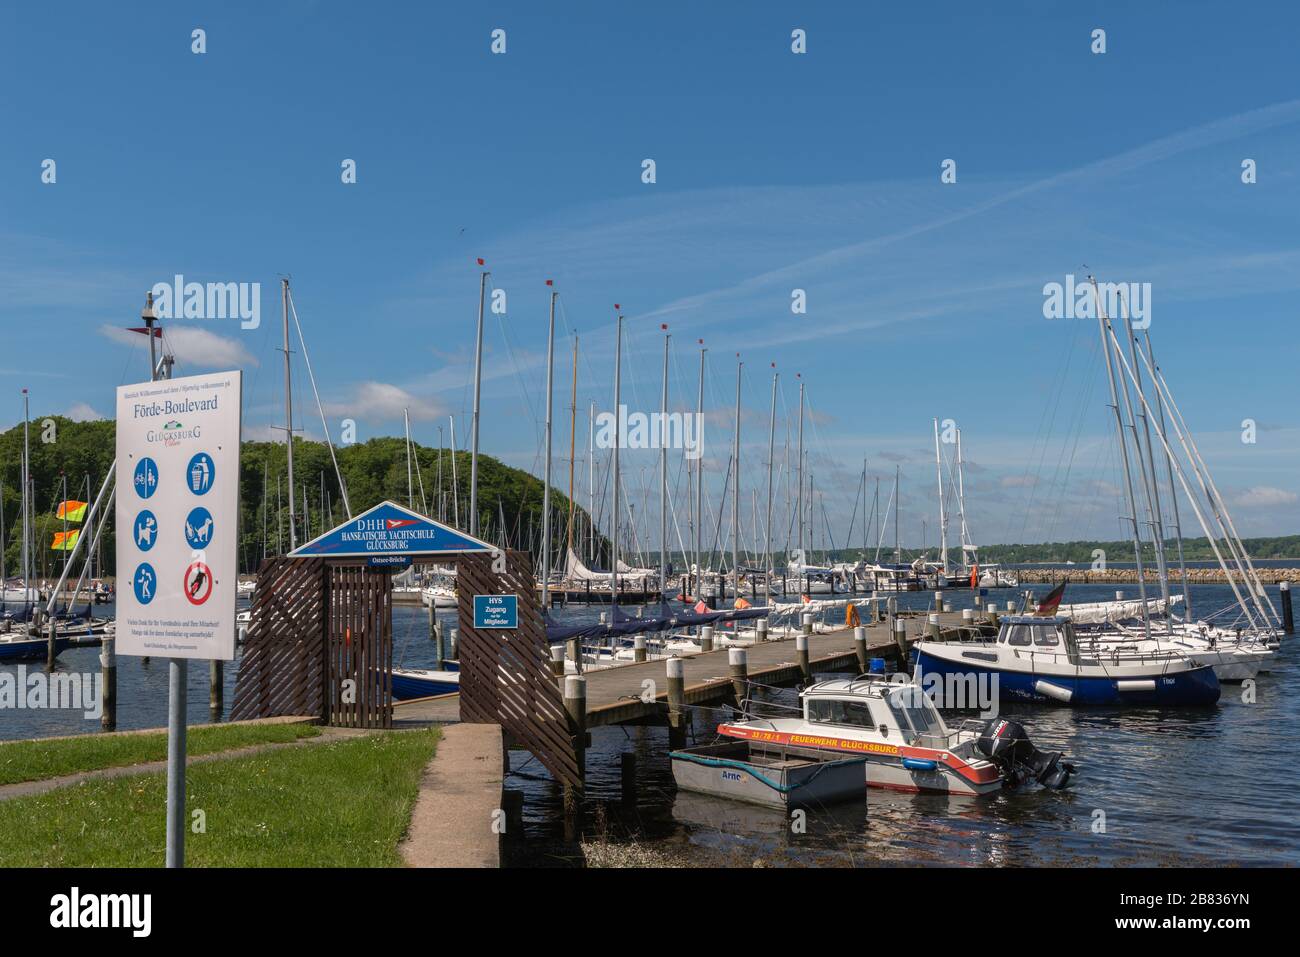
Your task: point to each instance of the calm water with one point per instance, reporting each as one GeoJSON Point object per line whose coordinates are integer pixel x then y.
{"type": "Point", "coordinates": [1198, 786]}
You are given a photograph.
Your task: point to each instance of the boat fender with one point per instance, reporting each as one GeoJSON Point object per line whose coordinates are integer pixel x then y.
{"type": "Point", "coordinates": [1049, 690]}
{"type": "Point", "coordinates": [920, 764]}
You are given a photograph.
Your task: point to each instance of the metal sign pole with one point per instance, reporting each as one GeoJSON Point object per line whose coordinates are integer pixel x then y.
{"type": "Point", "coordinates": [176, 695]}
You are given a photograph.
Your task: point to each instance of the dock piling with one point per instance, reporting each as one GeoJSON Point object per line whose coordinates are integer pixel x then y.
{"type": "Point", "coordinates": [860, 648]}
{"type": "Point", "coordinates": [557, 662]}
{"type": "Point", "coordinates": [108, 675]}
{"type": "Point", "coordinates": [806, 620]}
{"type": "Point", "coordinates": [638, 648]}
{"type": "Point", "coordinates": [938, 600]}
{"type": "Point", "coordinates": [706, 638]}
{"type": "Point", "coordinates": [760, 629]}
{"type": "Point", "coordinates": [1288, 621]}
{"type": "Point", "coordinates": [50, 652]}
{"type": "Point", "coordinates": [575, 703]}
{"type": "Point", "coordinates": [737, 664]}
{"type": "Point", "coordinates": [575, 654]}
{"type": "Point", "coordinates": [216, 690]}
{"type": "Point", "coordinates": [801, 648]}
{"type": "Point", "coordinates": [676, 703]}
{"type": "Point", "coordinates": [933, 630]}
{"type": "Point", "coordinates": [900, 637]}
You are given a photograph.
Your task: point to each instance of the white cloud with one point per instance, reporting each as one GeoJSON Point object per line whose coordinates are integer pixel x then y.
{"type": "Point", "coordinates": [1265, 496]}
{"type": "Point", "coordinates": [193, 346]}
{"type": "Point", "coordinates": [1018, 481]}
{"type": "Point", "coordinates": [382, 401]}
{"type": "Point", "coordinates": [81, 412]}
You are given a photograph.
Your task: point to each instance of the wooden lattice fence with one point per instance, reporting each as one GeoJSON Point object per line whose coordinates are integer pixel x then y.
{"type": "Point", "coordinates": [505, 675]}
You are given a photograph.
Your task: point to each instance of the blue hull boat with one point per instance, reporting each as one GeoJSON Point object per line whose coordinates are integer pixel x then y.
{"type": "Point", "coordinates": [1195, 686]}
{"type": "Point", "coordinates": [29, 649]}
{"type": "Point", "coordinates": [1038, 658]}
{"type": "Point", "coordinates": [410, 683]}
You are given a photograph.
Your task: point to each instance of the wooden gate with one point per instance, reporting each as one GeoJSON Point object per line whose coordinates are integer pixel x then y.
{"type": "Point", "coordinates": [320, 642]}
{"type": "Point", "coordinates": [359, 653]}
{"type": "Point", "coordinates": [505, 675]}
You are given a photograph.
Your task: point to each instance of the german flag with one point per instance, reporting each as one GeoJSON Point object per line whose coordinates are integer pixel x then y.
{"type": "Point", "coordinates": [66, 541]}
{"type": "Point", "coordinates": [1047, 607]}
{"type": "Point", "coordinates": [71, 511]}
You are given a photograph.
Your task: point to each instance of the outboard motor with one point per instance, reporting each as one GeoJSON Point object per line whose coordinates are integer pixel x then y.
{"type": "Point", "coordinates": [1006, 744]}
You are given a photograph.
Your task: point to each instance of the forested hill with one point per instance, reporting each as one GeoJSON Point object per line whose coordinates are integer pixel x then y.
{"type": "Point", "coordinates": [374, 471]}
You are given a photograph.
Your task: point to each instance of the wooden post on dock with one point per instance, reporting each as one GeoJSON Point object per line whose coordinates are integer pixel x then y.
{"type": "Point", "coordinates": [455, 645]}
{"type": "Point", "coordinates": [860, 648]}
{"type": "Point", "coordinates": [216, 690]}
{"type": "Point", "coordinates": [933, 630]}
{"type": "Point", "coordinates": [938, 600]}
{"type": "Point", "coordinates": [108, 678]}
{"type": "Point", "coordinates": [706, 638]}
{"type": "Point", "coordinates": [806, 619]}
{"type": "Point", "coordinates": [738, 665]}
{"type": "Point", "coordinates": [557, 663]}
{"type": "Point", "coordinates": [435, 635]}
{"type": "Point", "coordinates": [638, 648]}
{"type": "Point", "coordinates": [575, 654]}
{"type": "Point", "coordinates": [993, 615]}
{"type": "Point", "coordinates": [760, 630]}
{"type": "Point", "coordinates": [801, 649]}
{"type": "Point", "coordinates": [1288, 621]}
{"type": "Point", "coordinates": [900, 638]}
{"type": "Point", "coordinates": [50, 653]}
{"type": "Point", "coordinates": [676, 703]}
{"type": "Point", "coordinates": [575, 703]}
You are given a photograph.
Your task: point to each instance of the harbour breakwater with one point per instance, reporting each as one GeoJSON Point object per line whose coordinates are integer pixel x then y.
{"type": "Point", "coordinates": [1123, 576]}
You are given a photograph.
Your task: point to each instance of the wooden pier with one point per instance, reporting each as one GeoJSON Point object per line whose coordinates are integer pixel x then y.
{"type": "Point", "coordinates": [616, 695]}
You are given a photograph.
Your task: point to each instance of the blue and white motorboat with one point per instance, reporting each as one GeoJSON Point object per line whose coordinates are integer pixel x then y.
{"type": "Point", "coordinates": [409, 683]}
{"type": "Point", "coordinates": [1035, 658]}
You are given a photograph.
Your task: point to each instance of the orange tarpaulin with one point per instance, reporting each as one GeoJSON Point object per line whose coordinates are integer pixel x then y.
{"type": "Point", "coordinates": [851, 619]}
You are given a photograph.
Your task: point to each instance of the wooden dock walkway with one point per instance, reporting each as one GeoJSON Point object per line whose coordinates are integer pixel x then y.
{"type": "Point", "coordinates": [614, 695]}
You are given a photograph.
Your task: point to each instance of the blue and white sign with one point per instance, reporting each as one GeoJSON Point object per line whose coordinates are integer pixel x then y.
{"type": "Point", "coordinates": [145, 530]}
{"type": "Point", "coordinates": [198, 528]}
{"type": "Point", "coordinates": [496, 611]}
{"type": "Point", "coordinates": [390, 529]}
{"type": "Point", "coordinates": [144, 582]}
{"type": "Point", "coordinates": [146, 477]}
{"type": "Point", "coordinates": [391, 562]}
{"type": "Point", "coordinates": [179, 441]}
{"type": "Point", "coordinates": [201, 473]}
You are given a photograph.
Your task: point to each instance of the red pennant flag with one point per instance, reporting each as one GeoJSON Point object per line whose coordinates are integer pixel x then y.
{"type": "Point", "coordinates": [701, 608]}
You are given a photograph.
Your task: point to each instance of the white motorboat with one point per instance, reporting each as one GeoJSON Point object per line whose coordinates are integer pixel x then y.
{"type": "Point", "coordinates": [907, 744]}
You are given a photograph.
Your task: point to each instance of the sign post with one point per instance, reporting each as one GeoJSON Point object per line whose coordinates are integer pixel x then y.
{"type": "Point", "coordinates": [178, 447]}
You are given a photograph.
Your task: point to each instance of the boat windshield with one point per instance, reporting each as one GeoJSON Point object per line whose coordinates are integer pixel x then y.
{"type": "Point", "coordinates": [831, 711]}
{"type": "Point", "coordinates": [919, 709]}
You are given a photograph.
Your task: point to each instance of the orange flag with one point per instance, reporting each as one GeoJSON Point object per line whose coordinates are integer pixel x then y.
{"type": "Point", "coordinates": [851, 619]}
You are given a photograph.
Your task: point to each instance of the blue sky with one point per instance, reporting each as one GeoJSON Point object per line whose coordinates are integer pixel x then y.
{"type": "Point", "coordinates": [775, 171]}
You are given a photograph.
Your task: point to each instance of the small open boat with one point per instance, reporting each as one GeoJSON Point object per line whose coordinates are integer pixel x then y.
{"type": "Point", "coordinates": [774, 776]}
{"type": "Point", "coordinates": [893, 724]}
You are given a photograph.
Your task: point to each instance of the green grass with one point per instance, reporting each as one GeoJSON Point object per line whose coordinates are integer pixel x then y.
{"type": "Point", "coordinates": [345, 803]}
{"type": "Point", "coordinates": [38, 760]}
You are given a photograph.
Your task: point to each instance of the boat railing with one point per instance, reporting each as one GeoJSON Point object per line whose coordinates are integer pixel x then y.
{"type": "Point", "coordinates": [752, 709]}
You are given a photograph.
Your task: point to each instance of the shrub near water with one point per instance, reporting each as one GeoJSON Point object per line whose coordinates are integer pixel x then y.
{"type": "Point", "coordinates": [342, 804]}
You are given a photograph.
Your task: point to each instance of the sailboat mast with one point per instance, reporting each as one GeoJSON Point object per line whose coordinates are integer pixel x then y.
{"type": "Point", "coordinates": [410, 486]}
{"type": "Point", "coordinates": [663, 471]}
{"type": "Point", "coordinates": [1149, 469]}
{"type": "Point", "coordinates": [573, 441]}
{"type": "Point", "coordinates": [699, 478]}
{"type": "Point", "coordinates": [943, 513]}
{"type": "Point", "coordinates": [473, 428]}
{"type": "Point", "coordinates": [1173, 489]}
{"type": "Point", "coordinates": [1102, 326]}
{"type": "Point", "coordinates": [898, 544]}
{"type": "Point", "coordinates": [591, 483]}
{"type": "Point", "coordinates": [767, 525]}
{"type": "Point", "coordinates": [618, 382]}
{"type": "Point", "coordinates": [455, 484]}
{"type": "Point", "coordinates": [735, 493]}
{"type": "Point", "coordinates": [961, 505]}
{"type": "Point", "coordinates": [546, 481]}
{"type": "Point", "coordinates": [26, 551]}
{"type": "Point", "coordinates": [799, 474]}
{"type": "Point", "coordinates": [288, 409]}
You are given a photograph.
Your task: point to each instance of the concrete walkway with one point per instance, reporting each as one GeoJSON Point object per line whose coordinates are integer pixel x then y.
{"type": "Point", "coordinates": [459, 801]}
